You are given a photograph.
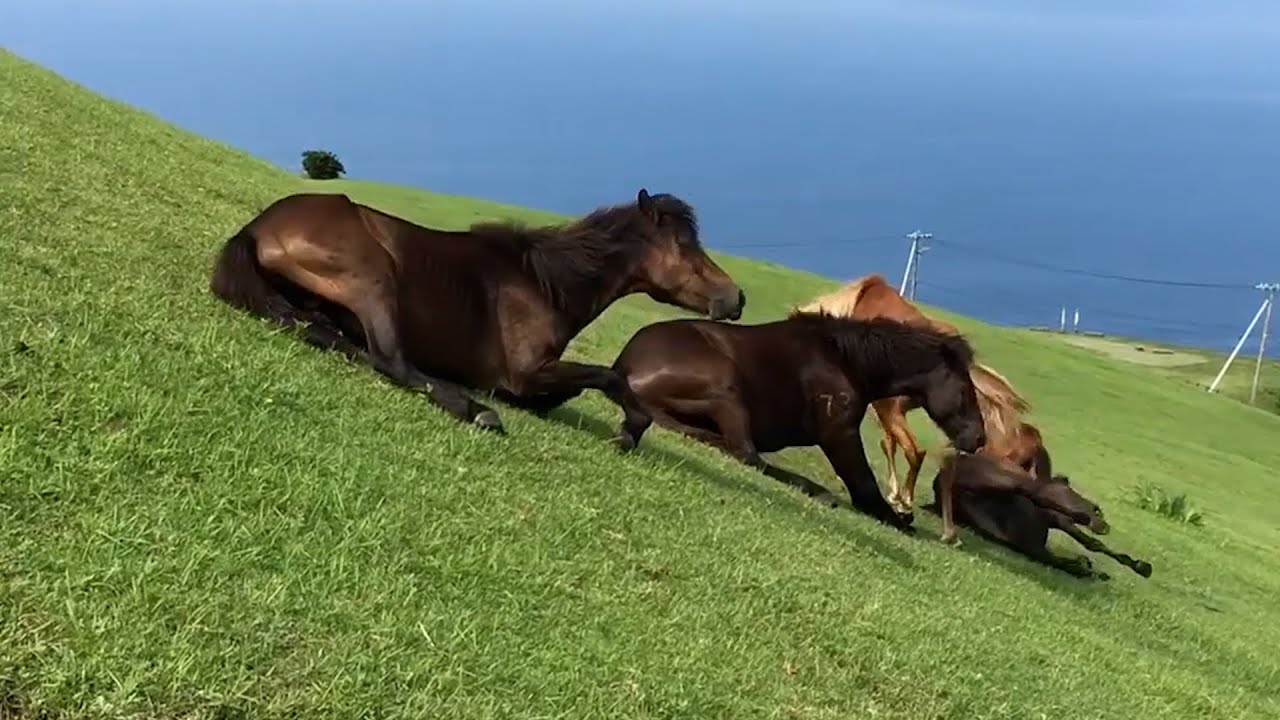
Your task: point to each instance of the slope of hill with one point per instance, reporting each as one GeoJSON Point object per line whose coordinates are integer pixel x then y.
{"type": "Point", "coordinates": [203, 518]}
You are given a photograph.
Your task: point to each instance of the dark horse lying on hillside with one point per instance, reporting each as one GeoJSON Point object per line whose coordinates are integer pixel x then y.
{"type": "Point", "coordinates": [983, 502]}
{"type": "Point", "coordinates": [804, 380]}
{"type": "Point", "coordinates": [491, 308]}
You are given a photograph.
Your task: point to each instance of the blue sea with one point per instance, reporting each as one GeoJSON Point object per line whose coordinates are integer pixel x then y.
{"type": "Point", "coordinates": [1042, 144]}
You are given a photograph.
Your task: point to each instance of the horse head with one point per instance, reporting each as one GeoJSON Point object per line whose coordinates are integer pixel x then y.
{"type": "Point", "coordinates": [673, 268]}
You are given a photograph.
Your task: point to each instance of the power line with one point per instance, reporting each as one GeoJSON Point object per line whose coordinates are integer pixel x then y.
{"type": "Point", "coordinates": [812, 243]}
{"type": "Point", "coordinates": [1169, 323]}
{"type": "Point", "coordinates": [982, 252]}
{"type": "Point", "coordinates": [1117, 314]}
{"type": "Point", "coordinates": [999, 257]}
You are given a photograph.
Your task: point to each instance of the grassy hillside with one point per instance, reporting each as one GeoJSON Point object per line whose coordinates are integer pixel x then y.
{"type": "Point", "coordinates": [202, 518]}
{"type": "Point", "coordinates": [1195, 366]}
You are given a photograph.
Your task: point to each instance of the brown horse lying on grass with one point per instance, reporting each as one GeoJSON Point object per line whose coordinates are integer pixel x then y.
{"type": "Point", "coordinates": [871, 296]}
{"type": "Point", "coordinates": [804, 380]}
{"type": "Point", "coordinates": [1014, 519]}
{"type": "Point", "coordinates": [491, 308]}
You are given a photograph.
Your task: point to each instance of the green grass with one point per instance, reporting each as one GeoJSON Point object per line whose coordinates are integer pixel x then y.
{"type": "Point", "coordinates": [200, 517]}
{"type": "Point", "coordinates": [1199, 373]}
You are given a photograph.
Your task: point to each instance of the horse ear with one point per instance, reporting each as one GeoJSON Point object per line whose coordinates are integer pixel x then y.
{"type": "Point", "coordinates": [645, 202]}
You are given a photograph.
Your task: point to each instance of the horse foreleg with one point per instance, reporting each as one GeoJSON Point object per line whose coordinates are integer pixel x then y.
{"type": "Point", "coordinates": [540, 404]}
{"type": "Point", "coordinates": [947, 489]}
{"type": "Point", "coordinates": [842, 444]}
{"type": "Point", "coordinates": [566, 378]}
{"type": "Point", "coordinates": [915, 460]}
{"type": "Point", "coordinates": [893, 423]}
{"type": "Point", "coordinates": [1092, 544]}
{"type": "Point", "coordinates": [890, 450]}
{"type": "Point", "coordinates": [1077, 566]}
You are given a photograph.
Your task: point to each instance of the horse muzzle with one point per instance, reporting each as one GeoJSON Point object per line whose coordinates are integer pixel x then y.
{"type": "Point", "coordinates": [727, 306]}
{"type": "Point", "coordinates": [968, 444]}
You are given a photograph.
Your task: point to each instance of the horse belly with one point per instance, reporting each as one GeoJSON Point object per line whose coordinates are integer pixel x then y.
{"type": "Point", "coordinates": [1010, 519]}
{"type": "Point", "coordinates": [776, 404]}
{"type": "Point", "coordinates": [447, 329]}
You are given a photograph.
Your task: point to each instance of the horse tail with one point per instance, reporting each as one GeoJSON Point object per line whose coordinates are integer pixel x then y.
{"type": "Point", "coordinates": [241, 281]}
{"type": "Point", "coordinates": [842, 302]}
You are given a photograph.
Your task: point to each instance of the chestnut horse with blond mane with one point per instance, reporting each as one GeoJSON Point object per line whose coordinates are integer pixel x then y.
{"type": "Point", "coordinates": [1002, 406]}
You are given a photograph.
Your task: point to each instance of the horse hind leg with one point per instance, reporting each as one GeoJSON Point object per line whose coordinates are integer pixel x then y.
{"type": "Point", "coordinates": [369, 297]}
{"type": "Point", "coordinates": [241, 282]}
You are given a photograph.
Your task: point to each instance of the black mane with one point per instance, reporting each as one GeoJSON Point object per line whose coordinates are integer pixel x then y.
{"type": "Point", "coordinates": [564, 257]}
{"type": "Point", "coordinates": [877, 344]}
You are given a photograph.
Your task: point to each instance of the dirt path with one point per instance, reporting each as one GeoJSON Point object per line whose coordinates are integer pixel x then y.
{"type": "Point", "coordinates": [1136, 352]}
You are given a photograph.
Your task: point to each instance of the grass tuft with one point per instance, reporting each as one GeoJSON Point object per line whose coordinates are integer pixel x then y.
{"type": "Point", "coordinates": [1174, 506]}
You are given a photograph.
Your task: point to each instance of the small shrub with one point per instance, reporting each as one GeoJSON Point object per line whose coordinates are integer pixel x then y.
{"type": "Point", "coordinates": [321, 165]}
{"type": "Point", "coordinates": [1174, 507]}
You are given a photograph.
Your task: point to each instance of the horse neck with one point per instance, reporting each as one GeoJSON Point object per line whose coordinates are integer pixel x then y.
{"type": "Point", "coordinates": [580, 301]}
{"type": "Point", "coordinates": [881, 378]}
{"type": "Point", "coordinates": [840, 303]}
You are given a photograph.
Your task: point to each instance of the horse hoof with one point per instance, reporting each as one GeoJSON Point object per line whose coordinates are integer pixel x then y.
{"type": "Point", "coordinates": [624, 442]}
{"type": "Point", "coordinates": [951, 540]}
{"type": "Point", "coordinates": [489, 420]}
{"type": "Point", "coordinates": [1143, 568]}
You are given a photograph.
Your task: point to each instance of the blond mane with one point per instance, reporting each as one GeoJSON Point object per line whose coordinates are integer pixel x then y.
{"type": "Point", "coordinates": [841, 302]}
{"type": "Point", "coordinates": [1001, 404]}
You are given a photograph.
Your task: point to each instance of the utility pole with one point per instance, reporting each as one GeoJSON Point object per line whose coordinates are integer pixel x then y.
{"type": "Point", "coordinates": [1270, 292]}
{"type": "Point", "coordinates": [1270, 289]}
{"type": "Point", "coordinates": [912, 273]}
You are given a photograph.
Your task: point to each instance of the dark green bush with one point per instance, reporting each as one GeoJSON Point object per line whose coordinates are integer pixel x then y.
{"type": "Point", "coordinates": [321, 165]}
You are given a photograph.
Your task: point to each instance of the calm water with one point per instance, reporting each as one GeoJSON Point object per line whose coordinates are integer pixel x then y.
{"type": "Point", "coordinates": [1142, 141]}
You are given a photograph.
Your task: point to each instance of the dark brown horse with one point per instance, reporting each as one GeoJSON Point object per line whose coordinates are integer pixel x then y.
{"type": "Point", "coordinates": [871, 296]}
{"type": "Point", "coordinates": [804, 380]}
{"type": "Point", "coordinates": [491, 308]}
{"type": "Point", "coordinates": [1021, 520]}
